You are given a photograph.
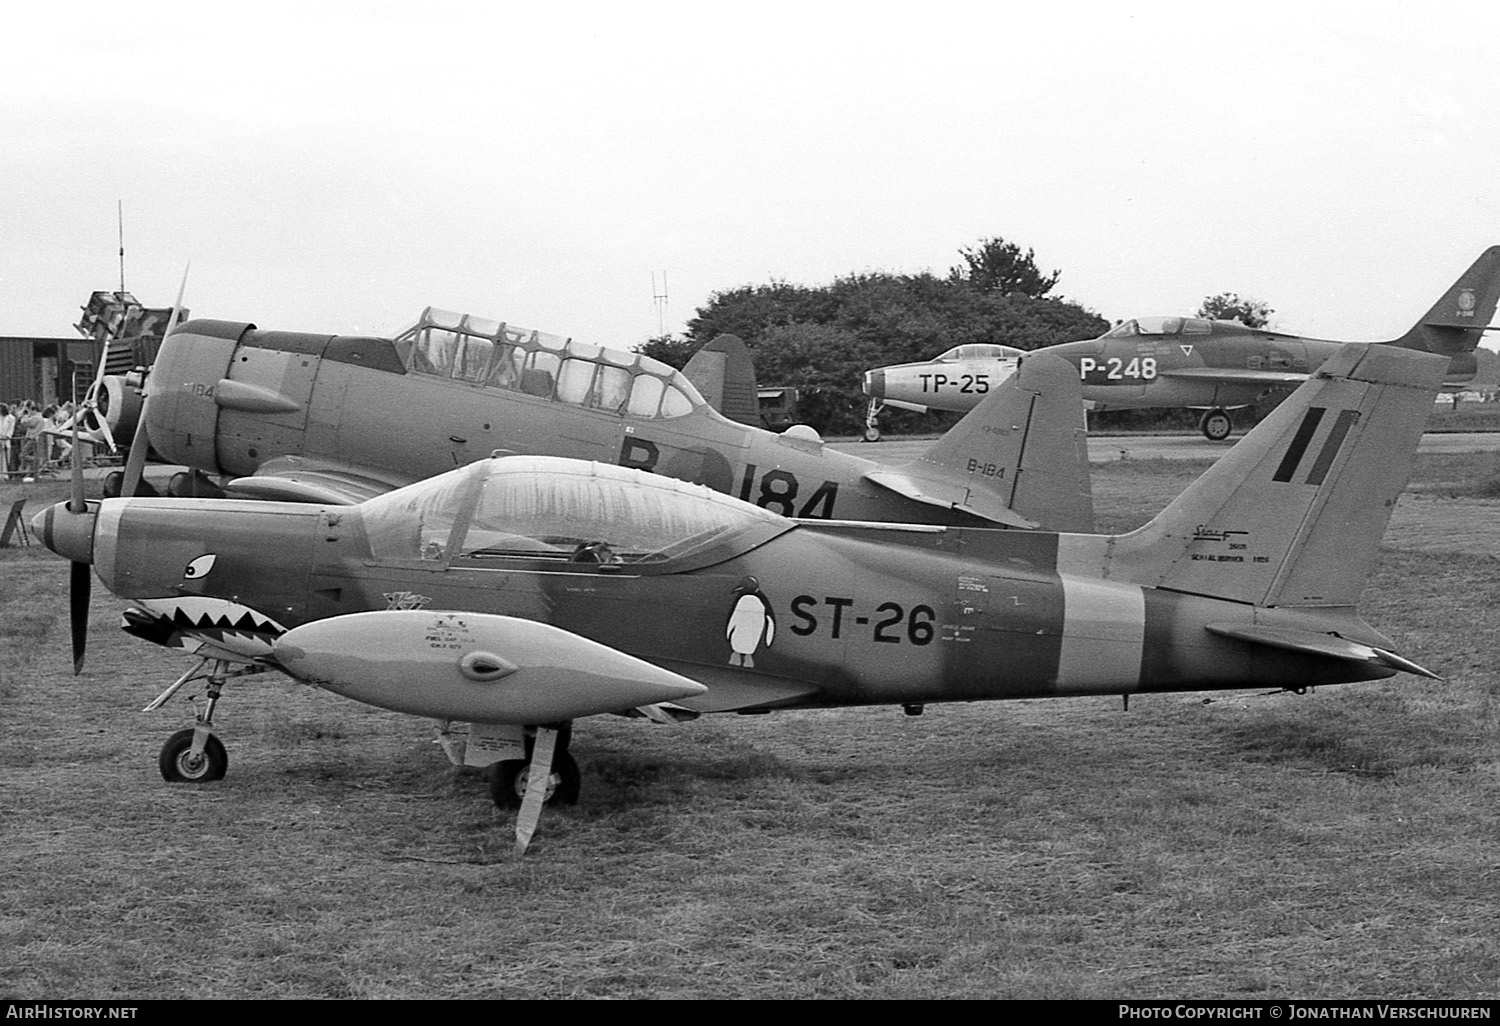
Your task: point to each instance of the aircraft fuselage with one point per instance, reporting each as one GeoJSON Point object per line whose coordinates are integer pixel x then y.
{"type": "Point", "coordinates": [1217, 366]}
{"type": "Point", "coordinates": [228, 399]}
{"type": "Point", "coordinates": [860, 614]}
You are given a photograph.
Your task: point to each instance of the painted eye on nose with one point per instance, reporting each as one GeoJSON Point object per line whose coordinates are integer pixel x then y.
{"type": "Point", "coordinates": [199, 567]}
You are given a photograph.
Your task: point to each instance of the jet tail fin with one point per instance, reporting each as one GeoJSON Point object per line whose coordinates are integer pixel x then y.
{"type": "Point", "coordinates": [1293, 515]}
{"type": "Point", "coordinates": [1020, 457]}
{"type": "Point", "coordinates": [1456, 322]}
{"type": "Point", "coordinates": [725, 375]}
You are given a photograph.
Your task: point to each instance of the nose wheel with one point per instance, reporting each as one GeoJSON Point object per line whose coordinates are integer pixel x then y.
{"type": "Point", "coordinates": [194, 755]}
{"type": "Point", "coordinates": [179, 764]}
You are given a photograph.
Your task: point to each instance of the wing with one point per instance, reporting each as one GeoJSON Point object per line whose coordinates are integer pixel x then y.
{"type": "Point", "coordinates": [1237, 376]}
{"type": "Point", "coordinates": [295, 479]}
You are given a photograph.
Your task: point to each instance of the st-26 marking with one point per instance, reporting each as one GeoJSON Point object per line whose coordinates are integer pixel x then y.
{"type": "Point", "coordinates": [892, 624]}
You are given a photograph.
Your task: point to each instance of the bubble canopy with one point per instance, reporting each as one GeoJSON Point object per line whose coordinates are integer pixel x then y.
{"type": "Point", "coordinates": [979, 351]}
{"type": "Point", "coordinates": [539, 508]}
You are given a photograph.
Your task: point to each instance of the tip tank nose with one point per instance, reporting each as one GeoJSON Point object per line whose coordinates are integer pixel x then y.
{"type": "Point", "coordinates": [69, 534]}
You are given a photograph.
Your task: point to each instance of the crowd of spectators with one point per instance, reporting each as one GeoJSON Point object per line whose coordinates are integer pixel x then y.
{"type": "Point", "coordinates": [32, 436]}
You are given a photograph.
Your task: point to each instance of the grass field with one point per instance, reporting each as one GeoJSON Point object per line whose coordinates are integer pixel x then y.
{"type": "Point", "coordinates": [1334, 845]}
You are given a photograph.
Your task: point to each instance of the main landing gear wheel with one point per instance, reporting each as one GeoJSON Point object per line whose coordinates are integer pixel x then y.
{"type": "Point", "coordinates": [872, 421]}
{"type": "Point", "coordinates": [178, 765]}
{"type": "Point", "coordinates": [511, 777]}
{"type": "Point", "coordinates": [1216, 425]}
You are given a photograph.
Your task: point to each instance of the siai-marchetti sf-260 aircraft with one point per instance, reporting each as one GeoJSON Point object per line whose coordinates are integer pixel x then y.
{"type": "Point", "coordinates": [337, 419]}
{"type": "Point", "coordinates": [1215, 366]}
{"type": "Point", "coordinates": [511, 597]}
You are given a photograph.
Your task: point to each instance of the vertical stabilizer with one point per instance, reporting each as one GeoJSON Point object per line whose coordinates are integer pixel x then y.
{"type": "Point", "coordinates": [1455, 323]}
{"type": "Point", "coordinates": [723, 372]}
{"type": "Point", "coordinates": [1292, 515]}
{"type": "Point", "coordinates": [1020, 457]}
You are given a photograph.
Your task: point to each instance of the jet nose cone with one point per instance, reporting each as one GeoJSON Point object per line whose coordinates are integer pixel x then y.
{"type": "Point", "coordinates": [69, 534]}
{"type": "Point", "coordinates": [875, 384]}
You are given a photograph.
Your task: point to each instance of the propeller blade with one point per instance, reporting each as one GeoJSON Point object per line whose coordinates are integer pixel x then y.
{"type": "Point", "coordinates": [79, 585]}
{"type": "Point", "coordinates": [135, 464]}
{"type": "Point", "coordinates": [76, 503]}
{"type": "Point", "coordinates": [91, 398]}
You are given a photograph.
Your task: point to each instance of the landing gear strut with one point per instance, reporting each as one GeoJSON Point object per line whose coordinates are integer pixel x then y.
{"type": "Point", "coordinates": [547, 776]}
{"type": "Point", "coordinates": [1216, 425]}
{"type": "Point", "coordinates": [194, 755]}
{"type": "Point", "coordinates": [872, 420]}
{"type": "Point", "coordinates": [510, 779]}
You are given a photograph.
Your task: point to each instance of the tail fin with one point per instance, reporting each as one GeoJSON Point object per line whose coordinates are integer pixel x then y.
{"type": "Point", "coordinates": [725, 374]}
{"type": "Point", "coordinates": [1292, 515]}
{"type": "Point", "coordinates": [1455, 323]}
{"type": "Point", "coordinates": [1020, 457]}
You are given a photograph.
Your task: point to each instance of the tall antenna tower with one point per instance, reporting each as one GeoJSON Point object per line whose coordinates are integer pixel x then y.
{"type": "Point", "coordinates": [659, 297]}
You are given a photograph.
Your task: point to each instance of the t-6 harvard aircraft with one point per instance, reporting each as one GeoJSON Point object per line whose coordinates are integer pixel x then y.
{"type": "Point", "coordinates": [510, 597]}
{"type": "Point", "coordinates": [338, 419]}
{"type": "Point", "coordinates": [1215, 366]}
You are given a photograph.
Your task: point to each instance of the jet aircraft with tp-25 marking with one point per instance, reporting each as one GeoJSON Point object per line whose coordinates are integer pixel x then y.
{"type": "Point", "coordinates": [1214, 366]}
{"type": "Point", "coordinates": [511, 597]}
{"type": "Point", "coordinates": [319, 418]}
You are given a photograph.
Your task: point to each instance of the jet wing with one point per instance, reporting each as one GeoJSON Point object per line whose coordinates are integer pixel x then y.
{"type": "Point", "coordinates": [1237, 376]}
{"type": "Point", "coordinates": [950, 495]}
{"type": "Point", "coordinates": [731, 689]}
{"type": "Point", "coordinates": [294, 479]}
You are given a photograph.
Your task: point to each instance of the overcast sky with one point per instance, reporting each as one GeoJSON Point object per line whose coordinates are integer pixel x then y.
{"type": "Point", "coordinates": [337, 167]}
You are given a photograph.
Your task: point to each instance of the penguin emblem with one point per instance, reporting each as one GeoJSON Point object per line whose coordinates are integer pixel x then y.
{"type": "Point", "coordinates": [751, 623]}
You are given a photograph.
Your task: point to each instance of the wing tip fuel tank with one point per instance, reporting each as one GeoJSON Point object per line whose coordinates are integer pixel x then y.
{"type": "Point", "coordinates": [473, 666]}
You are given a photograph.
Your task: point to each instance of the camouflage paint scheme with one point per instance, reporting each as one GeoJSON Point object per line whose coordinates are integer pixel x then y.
{"type": "Point", "coordinates": [1250, 578]}
{"type": "Point", "coordinates": [1201, 364]}
{"type": "Point", "coordinates": [337, 419]}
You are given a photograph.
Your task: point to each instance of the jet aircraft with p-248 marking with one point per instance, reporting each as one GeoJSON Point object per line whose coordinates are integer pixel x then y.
{"type": "Point", "coordinates": [320, 418]}
{"type": "Point", "coordinates": [1214, 366]}
{"type": "Point", "coordinates": [511, 597]}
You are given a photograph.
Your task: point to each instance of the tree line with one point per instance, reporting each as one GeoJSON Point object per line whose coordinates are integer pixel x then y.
{"type": "Point", "coordinates": [821, 339]}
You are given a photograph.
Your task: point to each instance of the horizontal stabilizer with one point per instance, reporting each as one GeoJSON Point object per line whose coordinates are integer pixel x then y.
{"type": "Point", "coordinates": [950, 495]}
{"type": "Point", "coordinates": [1313, 643]}
{"type": "Point", "coordinates": [476, 667]}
